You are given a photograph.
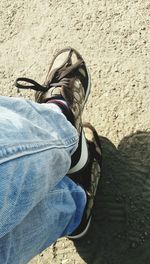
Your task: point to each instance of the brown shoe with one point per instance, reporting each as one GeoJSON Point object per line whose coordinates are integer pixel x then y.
{"type": "Point", "coordinates": [88, 177]}
{"type": "Point", "coordinates": [68, 78]}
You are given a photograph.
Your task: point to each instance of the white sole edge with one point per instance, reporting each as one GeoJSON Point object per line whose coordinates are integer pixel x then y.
{"type": "Point", "coordinates": [89, 85]}
{"type": "Point", "coordinates": [83, 233]}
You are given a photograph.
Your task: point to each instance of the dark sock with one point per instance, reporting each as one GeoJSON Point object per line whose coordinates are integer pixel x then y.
{"type": "Point", "coordinates": [61, 103]}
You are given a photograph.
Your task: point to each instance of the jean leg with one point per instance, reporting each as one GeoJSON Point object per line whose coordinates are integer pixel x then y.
{"type": "Point", "coordinates": [58, 214]}
{"type": "Point", "coordinates": [36, 144]}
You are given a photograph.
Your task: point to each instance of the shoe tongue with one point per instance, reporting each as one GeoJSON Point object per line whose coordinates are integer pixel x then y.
{"type": "Point", "coordinates": [56, 91]}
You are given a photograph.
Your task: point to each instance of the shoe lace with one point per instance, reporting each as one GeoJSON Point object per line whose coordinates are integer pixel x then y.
{"type": "Point", "coordinates": [59, 78]}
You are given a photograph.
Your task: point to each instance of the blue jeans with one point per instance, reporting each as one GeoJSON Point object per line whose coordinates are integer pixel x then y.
{"type": "Point", "coordinates": [38, 203]}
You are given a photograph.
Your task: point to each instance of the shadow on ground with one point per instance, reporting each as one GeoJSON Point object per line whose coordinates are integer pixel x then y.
{"type": "Point", "coordinates": [120, 230]}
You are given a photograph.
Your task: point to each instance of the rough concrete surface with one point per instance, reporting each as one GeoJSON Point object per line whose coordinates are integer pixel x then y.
{"type": "Point", "coordinates": [114, 38]}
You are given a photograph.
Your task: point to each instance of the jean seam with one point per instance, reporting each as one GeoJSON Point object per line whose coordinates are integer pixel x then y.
{"type": "Point", "coordinates": [31, 149]}
{"type": "Point", "coordinates": [66, 141]}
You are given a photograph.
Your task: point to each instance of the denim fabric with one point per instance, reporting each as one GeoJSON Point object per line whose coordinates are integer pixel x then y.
{"type": "Point", "coordinates": [38, 203]}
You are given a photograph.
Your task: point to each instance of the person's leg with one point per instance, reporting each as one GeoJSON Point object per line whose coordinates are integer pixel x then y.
{"type": "Point", "coordinates": [36, 143]}
{"type": "Point", "coordinates": [38, 153]}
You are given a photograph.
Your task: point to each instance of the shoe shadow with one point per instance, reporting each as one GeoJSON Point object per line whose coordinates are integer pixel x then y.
{"type": "Point", "coordinates": [120, 228]}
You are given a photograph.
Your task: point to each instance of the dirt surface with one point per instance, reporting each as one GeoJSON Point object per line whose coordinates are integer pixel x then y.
{"type": "Point", "coordinates": [114, 38]}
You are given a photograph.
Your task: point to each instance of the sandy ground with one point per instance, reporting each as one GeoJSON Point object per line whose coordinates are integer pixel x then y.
{"type": "Point", "coordinates": [114, 38]}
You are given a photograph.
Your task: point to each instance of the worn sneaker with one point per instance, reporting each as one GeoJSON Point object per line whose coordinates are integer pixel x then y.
{"type": "Point", "coordinates": [68, 78]}
{"type": "Point", "coordinates": [88, 177]}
